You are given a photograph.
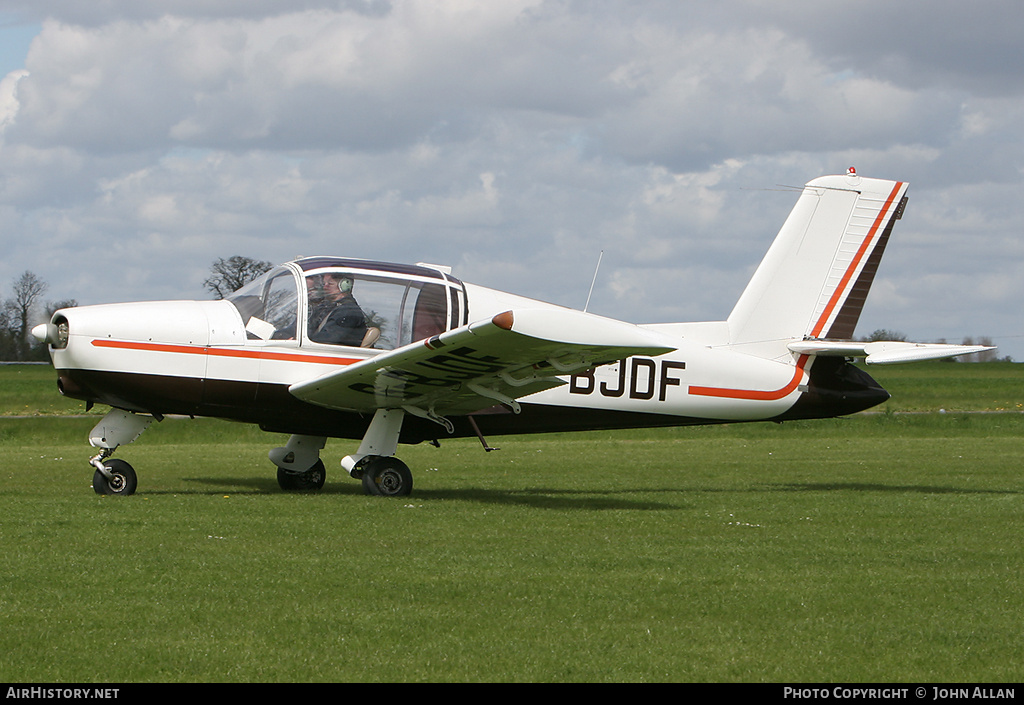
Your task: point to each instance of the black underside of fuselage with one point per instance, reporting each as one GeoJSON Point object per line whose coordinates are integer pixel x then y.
{"type": "Point", "coordinates": [835, 388]}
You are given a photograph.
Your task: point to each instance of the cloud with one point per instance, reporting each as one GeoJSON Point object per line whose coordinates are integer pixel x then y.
{"type": "Point", "coordinates": [9, 98]}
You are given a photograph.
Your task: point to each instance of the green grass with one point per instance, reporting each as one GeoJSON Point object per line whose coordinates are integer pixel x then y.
{"type": "Point", "coordinates": [32, 390]}
{"type": "Point", "coordinates": [991, 386]}
{"type": "Point", "coordinates": [878, 548]}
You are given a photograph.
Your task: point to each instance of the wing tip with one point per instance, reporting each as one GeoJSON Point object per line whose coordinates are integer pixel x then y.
{"type": "Point", "coordinates": [504, 320]}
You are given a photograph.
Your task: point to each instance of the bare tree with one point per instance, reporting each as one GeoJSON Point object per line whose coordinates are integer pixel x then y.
{"type": "Point", "coordinates": [231, 274]}
{"type": "Point", "coordinates": [8, 350]}
{"type": "Point", "coordinates": [18, 309]}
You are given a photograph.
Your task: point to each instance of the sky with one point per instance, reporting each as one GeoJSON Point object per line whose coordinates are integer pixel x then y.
{"type": "Point", "coordinates": [515, 141]}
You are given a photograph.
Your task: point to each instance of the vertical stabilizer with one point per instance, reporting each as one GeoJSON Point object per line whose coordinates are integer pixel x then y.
{"type": "Point", "coordinates": [814, 279]}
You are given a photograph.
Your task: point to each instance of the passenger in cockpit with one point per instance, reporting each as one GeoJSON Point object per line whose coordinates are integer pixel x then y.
{"type": "Point", "coordinates": [337, 318]}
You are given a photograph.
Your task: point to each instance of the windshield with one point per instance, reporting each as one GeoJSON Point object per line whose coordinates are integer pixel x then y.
{"type": "Point", "coordinates": [269, 305]}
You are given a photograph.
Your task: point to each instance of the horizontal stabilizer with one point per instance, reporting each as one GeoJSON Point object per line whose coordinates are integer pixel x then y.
{"type": "Point", "coordinates": [884, 352]}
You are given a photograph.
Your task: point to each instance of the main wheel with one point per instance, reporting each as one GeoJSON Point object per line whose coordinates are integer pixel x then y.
{"type": "Point", "coordinates": [123, 480]}
{"type": "Point", "coordinates": [385, 476]}
{"type": "Point", "coordinates": [312, 479]}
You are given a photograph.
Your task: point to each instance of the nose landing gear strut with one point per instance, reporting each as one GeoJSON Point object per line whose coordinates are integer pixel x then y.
{"type": "Point", "coordinates": [117, 428]}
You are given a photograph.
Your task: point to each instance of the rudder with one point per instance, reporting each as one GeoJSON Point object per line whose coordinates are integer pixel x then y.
{"type": "Point", "coordinates": [814, 280]}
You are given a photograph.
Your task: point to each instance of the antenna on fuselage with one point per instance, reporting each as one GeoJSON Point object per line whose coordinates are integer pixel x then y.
{"type": "Point", "coordinates": [591, 292]}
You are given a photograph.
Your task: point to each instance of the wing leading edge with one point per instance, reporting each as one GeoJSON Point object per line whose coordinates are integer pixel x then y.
{"type": "Point", "coordinates": [493, 361]}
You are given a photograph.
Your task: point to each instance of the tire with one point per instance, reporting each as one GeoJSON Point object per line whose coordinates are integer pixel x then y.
{"type": "Point", "coordinates": [312, 479]}
{"type": "Point", "coordinates": [385, 476]}
{"type": "Point", "coordinates": [123, 482]}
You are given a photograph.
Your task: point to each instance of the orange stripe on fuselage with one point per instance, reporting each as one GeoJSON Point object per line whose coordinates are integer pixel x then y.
{"type": "Point", "coordinates": [223, 352]}
{"type": "Point", "coordinates": [754, 394]}
{"type": "Point", "coordinates": [833, 301]}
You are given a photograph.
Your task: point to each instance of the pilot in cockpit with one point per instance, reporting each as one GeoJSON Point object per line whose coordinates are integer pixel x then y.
{"type": "Point", "coordinates": [336, 318]}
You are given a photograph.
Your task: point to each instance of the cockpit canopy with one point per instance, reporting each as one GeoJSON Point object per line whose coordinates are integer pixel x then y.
{"type": "Point", "coordinates": [356, 303]}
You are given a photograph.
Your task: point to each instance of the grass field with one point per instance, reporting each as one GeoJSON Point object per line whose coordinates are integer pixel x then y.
{"type": "Point", "coordinates": [878, 548]}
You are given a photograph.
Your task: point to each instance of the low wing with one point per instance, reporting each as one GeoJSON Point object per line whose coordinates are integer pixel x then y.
{"type": "Point", "coordinates": [884, 352]}
{"type": "Point", "coordinates": [494, 361]}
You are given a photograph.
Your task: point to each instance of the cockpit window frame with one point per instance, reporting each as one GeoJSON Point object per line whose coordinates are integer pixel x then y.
{"type": "Point", "coordinates": [401, 318]}
{"type": "Point", "coordinates": [412, 276]}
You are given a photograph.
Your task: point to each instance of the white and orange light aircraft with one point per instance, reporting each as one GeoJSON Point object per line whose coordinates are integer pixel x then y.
{"type": "Point", "coordinates": [324, 347]}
